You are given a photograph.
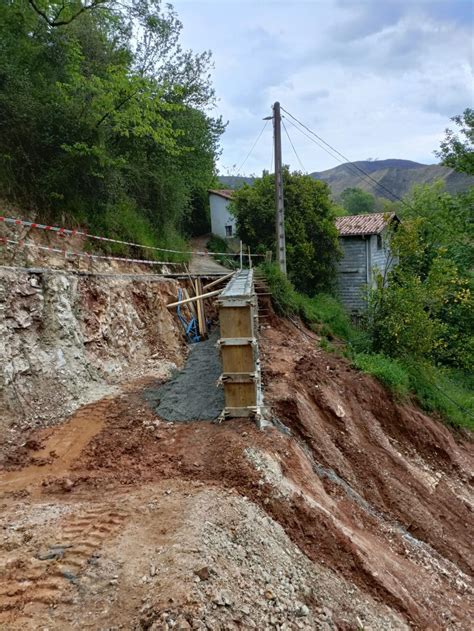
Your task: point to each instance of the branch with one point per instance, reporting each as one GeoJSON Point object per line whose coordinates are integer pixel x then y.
{"type": "Point", "coordinates": [55, 21]}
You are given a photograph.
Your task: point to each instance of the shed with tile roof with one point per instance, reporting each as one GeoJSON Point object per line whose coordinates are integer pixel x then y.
{"type": "Point", "coordinates": [366, 251]}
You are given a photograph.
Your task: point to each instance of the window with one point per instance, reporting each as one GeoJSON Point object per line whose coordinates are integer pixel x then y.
{"type": "Point", "coordinates": [379, 242]}
{"type": "Point", "coordinates": [228, 231]}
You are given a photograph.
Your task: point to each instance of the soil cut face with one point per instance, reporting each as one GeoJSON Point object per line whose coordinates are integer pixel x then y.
{"type": "Point", "coordinates": [359, 517]}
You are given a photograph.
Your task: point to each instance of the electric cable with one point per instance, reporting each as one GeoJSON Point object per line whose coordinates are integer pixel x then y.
{"type": "Point", "coordinates": [253, 147]}
{"type": "Point", "coordinates": [293, 147]}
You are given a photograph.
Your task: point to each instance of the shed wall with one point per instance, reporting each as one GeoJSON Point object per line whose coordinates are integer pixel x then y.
{"type": "Point", "coordinates": [352, 273]}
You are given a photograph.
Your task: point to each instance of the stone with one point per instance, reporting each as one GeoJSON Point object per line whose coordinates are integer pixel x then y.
{"type": "Point", "coordinates": [302, 611]}
{"type": "Point", "coordinates": [203, 573]}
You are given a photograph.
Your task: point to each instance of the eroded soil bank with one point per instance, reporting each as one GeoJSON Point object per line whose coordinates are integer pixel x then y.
{"type": "Point", "coordinates": [360, 517]}
{"type": "Point", "coordinates": [68, 340]}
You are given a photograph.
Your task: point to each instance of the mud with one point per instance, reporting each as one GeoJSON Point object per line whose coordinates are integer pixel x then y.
{"type": "Point", "coordinates": [192, 394]}
{"type": "Point", "coordinates": [375, 497]}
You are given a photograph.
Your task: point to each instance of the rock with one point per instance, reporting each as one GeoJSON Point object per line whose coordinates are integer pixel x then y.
{"type": "Point", "coordinates": [302, 611]}
{"type": "Point", "coordinates": [203, 573]}
{"type": "Point", "coordinates": [67, 485]}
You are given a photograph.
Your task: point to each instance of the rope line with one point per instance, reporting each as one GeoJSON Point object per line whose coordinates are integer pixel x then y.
{"type": "Point", "coordinates": [79, 233]}
{"type": "Point", "coordinates": [71, 253]}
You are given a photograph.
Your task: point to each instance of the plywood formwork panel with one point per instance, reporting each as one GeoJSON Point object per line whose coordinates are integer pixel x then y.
{"type": "Point", "coordinates": [240, 395]}
{"type": "Point", "coordinates": [236, 321]}
{"type": "Point", "coordinates": [238, 358]}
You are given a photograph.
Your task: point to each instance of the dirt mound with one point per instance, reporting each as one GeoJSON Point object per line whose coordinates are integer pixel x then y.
{"type": "Point", "coordinates": [215, 517]}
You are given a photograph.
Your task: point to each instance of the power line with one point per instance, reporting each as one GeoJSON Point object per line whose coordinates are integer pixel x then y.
{"type": "Point", "coordinates": [293, 147]}
{"type": "Point", "coordinates": [364, 173]}
{"type": "Point", "coordinates": [253, 147]}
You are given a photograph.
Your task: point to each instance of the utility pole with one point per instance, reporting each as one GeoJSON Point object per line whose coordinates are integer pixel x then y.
{"type": "Point", "coordinates": [280, 209]}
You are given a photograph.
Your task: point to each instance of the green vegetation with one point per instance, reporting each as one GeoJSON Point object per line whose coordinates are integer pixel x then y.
{"type": "Point", "coordinates": [103, 119]}
{"type": "Point", "coordinates": [457, 149]}
{"type": "Point", "coordinates": [438, 389]}
{"type": "Point", "coordinates": [311, 235]}
{"type": "Point", "coordinates": [355, 201]}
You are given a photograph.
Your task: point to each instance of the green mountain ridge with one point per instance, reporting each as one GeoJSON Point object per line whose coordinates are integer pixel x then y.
{"type": "Point", "coordinates": [395, 175]}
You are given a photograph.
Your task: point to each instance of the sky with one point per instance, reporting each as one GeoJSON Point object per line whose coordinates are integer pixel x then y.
{"type": "Point", "coordinates": [375, 78]}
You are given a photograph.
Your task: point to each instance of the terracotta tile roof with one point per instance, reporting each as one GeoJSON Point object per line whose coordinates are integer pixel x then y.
{"type": "Point", "coordinates": [354, 225]}
{"type": "Point", "coordinates": [224, 192]}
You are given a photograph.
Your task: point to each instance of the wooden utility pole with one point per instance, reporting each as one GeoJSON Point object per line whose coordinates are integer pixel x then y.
{"type": "Point", "coordinates": [280, 210]}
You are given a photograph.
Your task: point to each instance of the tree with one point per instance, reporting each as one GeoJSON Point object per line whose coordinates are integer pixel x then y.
{"type": "Point", "coordinates": [426, 309]}
{"type": "Point", "coordinates": [311, 235]}
{"type": "Point", "coordinates": [104, 117]}
{"type": "Point", "coordinates": [457, 148]}
{"type": "Point", "coordinates": [357, 202]}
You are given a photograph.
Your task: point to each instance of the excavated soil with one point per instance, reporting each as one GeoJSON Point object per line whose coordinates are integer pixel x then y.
{"type": "Point", "coordinates": [358, 516]}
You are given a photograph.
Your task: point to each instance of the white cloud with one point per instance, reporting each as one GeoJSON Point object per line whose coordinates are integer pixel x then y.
{"type": "Point", "coordinates": [377, 79]}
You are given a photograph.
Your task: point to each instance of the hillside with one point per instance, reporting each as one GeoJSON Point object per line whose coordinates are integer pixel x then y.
{"type": "Point", "coordinates": [351, 511]}
{"type": "Point", "coordinates": [398, 176]}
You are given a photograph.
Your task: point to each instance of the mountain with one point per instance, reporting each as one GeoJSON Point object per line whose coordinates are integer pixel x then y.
{"type": "Point", "coordinates": [394, 175]}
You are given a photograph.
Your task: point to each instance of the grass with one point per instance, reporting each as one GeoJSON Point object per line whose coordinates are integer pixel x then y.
{"type": "Point", "coordinates": [437, 390]}
{"type": "Point", "coordinates": [388, 371]}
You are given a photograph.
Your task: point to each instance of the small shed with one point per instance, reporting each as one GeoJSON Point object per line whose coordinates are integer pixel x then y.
{"type": "Point", "coordinates": [366, 250]}
{"type": "Point", "coordinates": [222, 222]}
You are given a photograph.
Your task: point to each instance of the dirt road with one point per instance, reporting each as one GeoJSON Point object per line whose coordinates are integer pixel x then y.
{"type": "Point", "coordinates": [360, 518]}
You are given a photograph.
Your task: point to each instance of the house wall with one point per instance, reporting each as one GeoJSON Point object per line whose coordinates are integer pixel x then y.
{"type": "Point", "coordinates": [220, 216]}
{"type": "Point", "coordinates": [352, 273]}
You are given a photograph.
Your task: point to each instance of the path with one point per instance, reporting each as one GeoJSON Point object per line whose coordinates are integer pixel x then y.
{"type": "Point", "coordinates": [204, 264]}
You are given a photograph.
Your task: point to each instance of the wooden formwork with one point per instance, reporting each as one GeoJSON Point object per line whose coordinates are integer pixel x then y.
{"type": "Point", "coordinates": [238, 345]}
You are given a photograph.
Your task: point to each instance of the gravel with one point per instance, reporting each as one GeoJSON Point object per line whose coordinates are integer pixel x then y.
{"type": "Point", "coordinates": [192, 394]}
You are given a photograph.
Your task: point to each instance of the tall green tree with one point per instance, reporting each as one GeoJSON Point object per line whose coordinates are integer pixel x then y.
{"type": "Point", "coordinates": [104, 117]}
{"type": "Point", "coordinates": [426, 309]}
{"type": "Point", "coordinates": [311, 236]}
{"type": "Point", "coordinates": [457, 148]}
{"type": "Point", "coordinates": [357, 202]}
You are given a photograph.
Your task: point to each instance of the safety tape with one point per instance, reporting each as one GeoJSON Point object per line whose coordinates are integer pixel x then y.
{"type": "Point", "coordinates": [66, 253]}
{"type": "Point", "coordinates": [80, 233]}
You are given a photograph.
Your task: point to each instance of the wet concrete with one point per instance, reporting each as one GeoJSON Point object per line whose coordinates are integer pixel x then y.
{"type": "Point", "coordinates": [192, 393]}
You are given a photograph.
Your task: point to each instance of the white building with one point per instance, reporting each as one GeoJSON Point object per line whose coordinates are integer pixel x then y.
{"type": "Point", "coordinates": [222, 222]}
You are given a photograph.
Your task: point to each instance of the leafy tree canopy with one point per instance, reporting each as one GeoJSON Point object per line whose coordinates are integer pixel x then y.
{"type": "Point", "coordinates": [311, 235]}
{"type": "Point", "coordinates": [426, 309]}
{"type": "Point", "coordinates": [457, 148]}
{"type": "Point", "coordinates": [357, 202]}
{"type": "Point", "coordinates": [103, 116]}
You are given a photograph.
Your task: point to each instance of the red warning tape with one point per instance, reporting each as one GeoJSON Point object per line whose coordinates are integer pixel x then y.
{"type": "Point", "coordinates": [80, 233]}
{"type": "Point", "coordinates": [66, 253]}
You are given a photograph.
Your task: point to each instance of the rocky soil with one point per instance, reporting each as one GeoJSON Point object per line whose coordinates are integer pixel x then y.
{"type": "Point", "coordinates": [353, 512]}
{"type": "Point", "coordinates": [68, 340]}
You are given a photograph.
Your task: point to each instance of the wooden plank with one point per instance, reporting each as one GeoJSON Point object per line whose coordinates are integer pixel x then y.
{"type": "Point", "coordinates": [236, 321]}
{"type": "Point", "coordinates": [191, 305]}
{"type": "Point", "coordinates": [238, 395]}
{"type": "Point", "coordinates": [193, 299]}
{"type": "Point", "coordinates": [238, 358]}
{"type": "Point", "coordinates": [217, 281]}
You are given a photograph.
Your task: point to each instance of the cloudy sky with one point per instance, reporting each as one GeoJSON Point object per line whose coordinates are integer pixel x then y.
{"type": "Point", "coordinates": [375, 78]}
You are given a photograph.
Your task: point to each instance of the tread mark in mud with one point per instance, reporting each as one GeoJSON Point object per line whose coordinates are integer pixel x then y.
{"type": "Point", "coordinates": [45, 582]}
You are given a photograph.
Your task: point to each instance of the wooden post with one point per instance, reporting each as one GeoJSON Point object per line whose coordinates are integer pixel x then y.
{"type": "Point", "coordinates": [200, 310]}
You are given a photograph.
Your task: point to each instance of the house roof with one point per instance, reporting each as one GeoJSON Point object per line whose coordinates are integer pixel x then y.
{"type": "Point", "coordinates": [226, 193]}
{"type": "Point", "coordinates": [359, 225]}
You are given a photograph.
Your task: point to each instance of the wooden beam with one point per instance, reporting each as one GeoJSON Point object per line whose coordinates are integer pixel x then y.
{"type": "Point", "coordinates": [200, 309]}
{"type": "Point", "coordinates": [217, 281]}
{"type": "Point", "coordinates": [194, 298]}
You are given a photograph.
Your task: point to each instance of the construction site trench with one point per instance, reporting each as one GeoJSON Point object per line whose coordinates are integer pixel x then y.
{"type": "Point", "coordinates": [350, 511]}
